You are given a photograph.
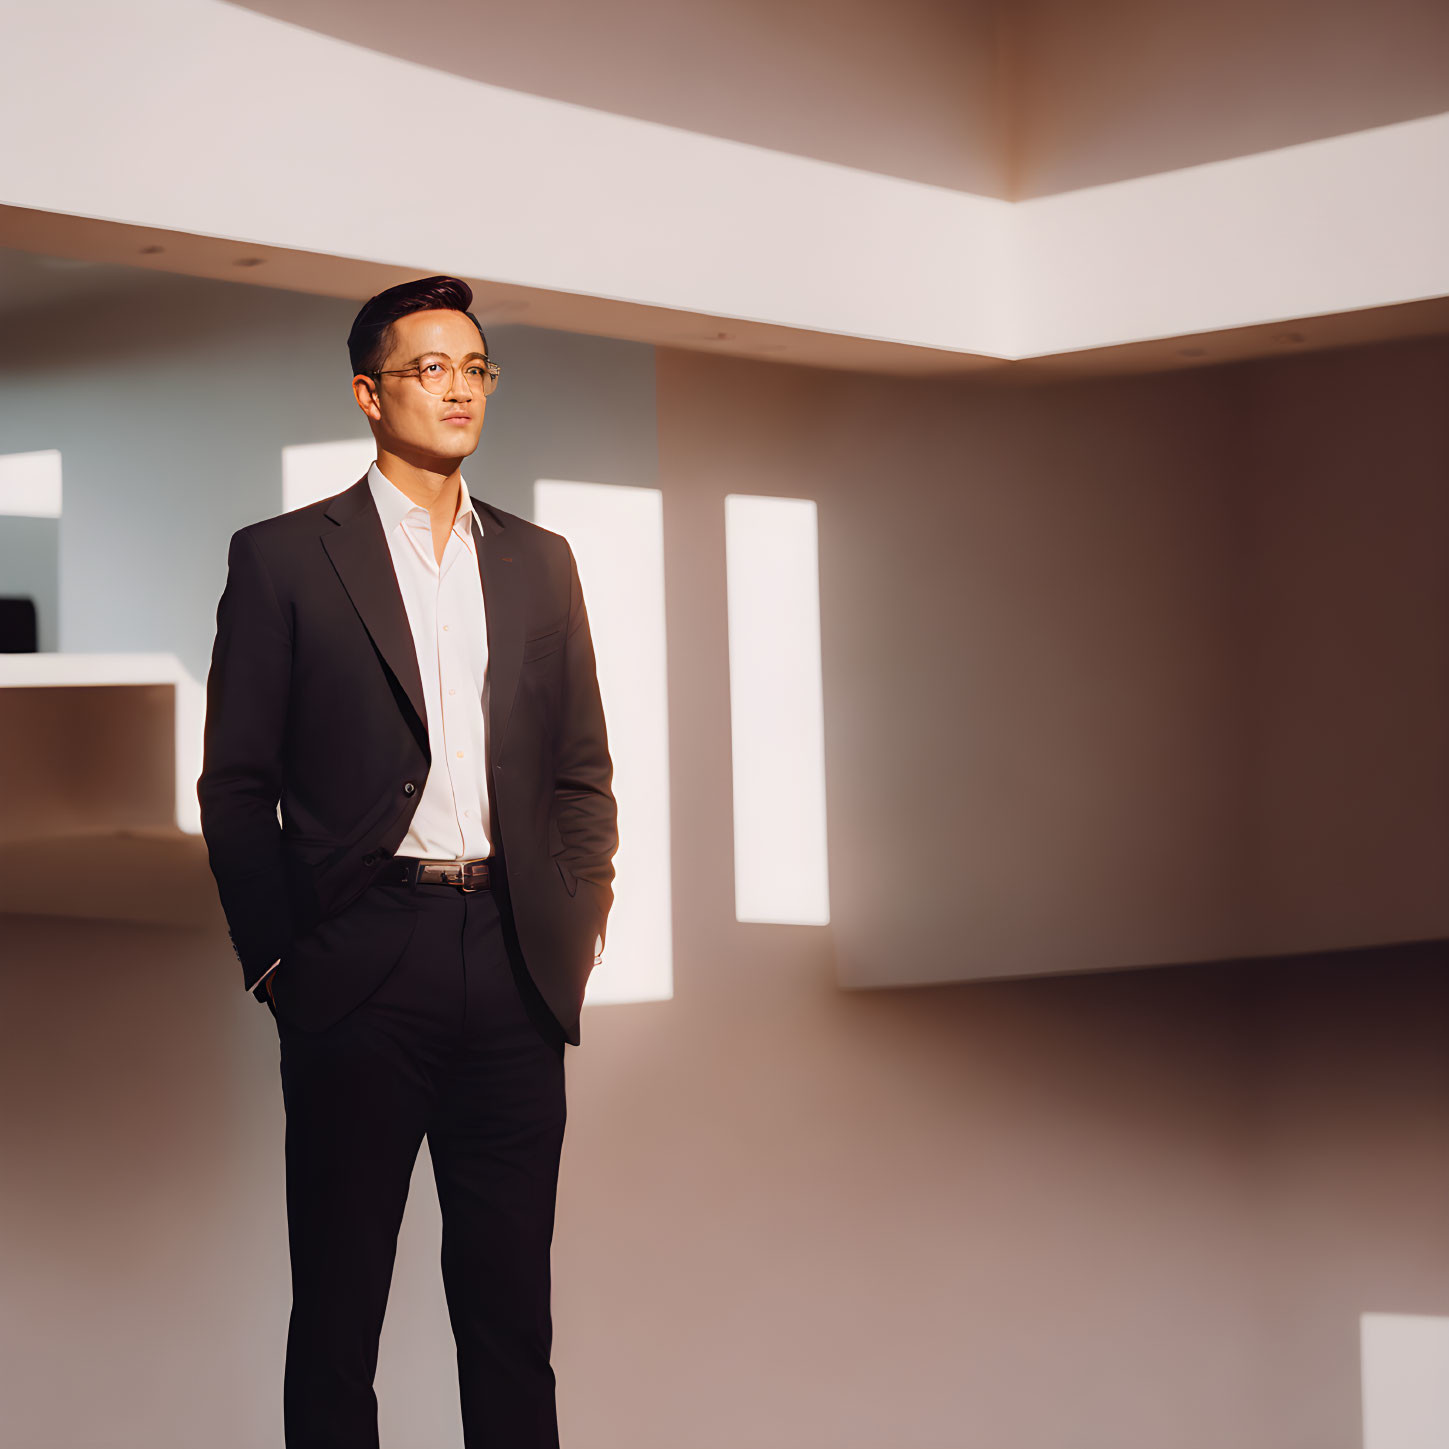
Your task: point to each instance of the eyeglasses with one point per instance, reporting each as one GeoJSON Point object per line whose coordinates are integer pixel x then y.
{"type": "Point", "coordinates": [437, 375]}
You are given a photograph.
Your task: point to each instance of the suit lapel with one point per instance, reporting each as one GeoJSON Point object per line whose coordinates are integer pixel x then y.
{"type": "Point", "coordinates": [503, 608]}
{"type": "Point", "coordinates": [358, 550]}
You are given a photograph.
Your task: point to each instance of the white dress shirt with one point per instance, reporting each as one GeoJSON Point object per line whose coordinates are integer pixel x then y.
{"type": "Point", "coordinates": [444, 604]}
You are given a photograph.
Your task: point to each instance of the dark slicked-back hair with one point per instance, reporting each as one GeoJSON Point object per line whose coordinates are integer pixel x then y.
{"type": "Point", "coordinates": [370, 340]}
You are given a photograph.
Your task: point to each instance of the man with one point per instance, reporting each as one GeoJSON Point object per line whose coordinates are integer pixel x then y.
{"type": "Point", "coordinates": [410, 675]}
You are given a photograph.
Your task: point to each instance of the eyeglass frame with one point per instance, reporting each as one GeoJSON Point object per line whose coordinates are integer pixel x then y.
{"type": "Point", "coordinates": [494, 370]}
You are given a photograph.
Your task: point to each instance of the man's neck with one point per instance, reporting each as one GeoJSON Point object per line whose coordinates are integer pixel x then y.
{"type": "Point", "coordinates": [429, 487]}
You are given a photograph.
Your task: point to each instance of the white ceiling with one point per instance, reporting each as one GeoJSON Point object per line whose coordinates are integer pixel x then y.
{"type": "Point", "coordinates": [298, 161]}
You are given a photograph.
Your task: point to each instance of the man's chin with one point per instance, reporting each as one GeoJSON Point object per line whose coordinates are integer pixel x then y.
{"type": "Point", "coordinates": [448, 452]}
{"type": "Point", "coordinates": [439, 453]}
{"type": "Point", "coordinates": [458, 448]}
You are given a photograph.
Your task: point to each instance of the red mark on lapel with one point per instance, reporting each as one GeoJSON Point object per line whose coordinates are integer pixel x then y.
{"type": "Point", "coordinates": [508, 558]}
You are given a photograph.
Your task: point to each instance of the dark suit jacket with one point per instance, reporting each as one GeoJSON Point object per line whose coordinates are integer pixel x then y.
{"type": "Point", "coordinates": [314, 700]}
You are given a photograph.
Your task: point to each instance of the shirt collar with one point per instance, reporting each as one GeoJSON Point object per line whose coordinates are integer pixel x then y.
{"type": "Point", "coordinates": [393, 505]}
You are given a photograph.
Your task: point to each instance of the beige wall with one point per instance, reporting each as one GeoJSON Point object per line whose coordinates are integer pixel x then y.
{"type": "Point", "coordinates": [998, 97]}
{"type": "Point", "coordinates": [1113, 1211]}
{"type": "Point", "coordinates": [1118, 673]}
{"type": "Point", "coordinates": [1348, 618]}
{"type": "Point", "coordinates": [911, 89]}
{"type": "Point", "coordinates": [1120, 88]}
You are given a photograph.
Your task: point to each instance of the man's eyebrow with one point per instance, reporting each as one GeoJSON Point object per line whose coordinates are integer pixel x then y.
{"type": "Point", "coordinates": [413, 361]}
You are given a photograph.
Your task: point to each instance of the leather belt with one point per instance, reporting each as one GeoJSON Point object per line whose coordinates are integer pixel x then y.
{"type": "Point", "coordinates": [413, 870]}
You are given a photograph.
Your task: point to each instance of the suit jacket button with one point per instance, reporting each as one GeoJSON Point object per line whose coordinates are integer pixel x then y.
{"type": "Point", "coordinates": [371, 858]}
{"type": "Point", "coordinates": [409, 788]}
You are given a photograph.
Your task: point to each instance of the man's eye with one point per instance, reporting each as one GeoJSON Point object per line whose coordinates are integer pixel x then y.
{"type": "Point", "coordinates": [476, 371]}
{"type": "Point", "coordinates": [432, 367]}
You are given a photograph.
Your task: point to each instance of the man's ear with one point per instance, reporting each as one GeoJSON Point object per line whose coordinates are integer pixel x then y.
{"type": "Point", "coordinates": [364, 389]}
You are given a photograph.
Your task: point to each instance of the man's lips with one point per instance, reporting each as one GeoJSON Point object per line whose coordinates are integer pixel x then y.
{"type": "Point", "coordinates": [458, 418]}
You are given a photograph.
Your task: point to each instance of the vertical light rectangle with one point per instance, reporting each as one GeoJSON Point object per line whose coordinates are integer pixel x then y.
{"type": "Point", "coordinates": [30, 484]}
{"type": "Point", "coordinates": [313, 471]}
{"type": "Point", "coordinates": [1405, 1375]}
{"type": "Point", "coordinates": [777, 711]}
{"type": "Point", "coordinates": [617, 535]}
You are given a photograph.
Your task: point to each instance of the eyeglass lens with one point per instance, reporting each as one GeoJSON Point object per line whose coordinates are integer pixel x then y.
{"type": "Point", "coordinates": [435, 376]}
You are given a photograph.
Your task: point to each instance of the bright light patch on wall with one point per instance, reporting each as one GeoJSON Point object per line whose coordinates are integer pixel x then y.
{"type": "Point", "coordinates": [30, 484]}
{"type": "Point", "coordinates": [1405, 1367]}
{"type": "Point", "coordinates": [313, 471]}
{"type": "Point", "coordinates": [777, 712]}
{"type": "Point", "coordinates": [617, 535]}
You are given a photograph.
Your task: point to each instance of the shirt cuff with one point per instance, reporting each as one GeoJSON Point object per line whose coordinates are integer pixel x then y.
{"type": "Point", "coordinates": [265, 974]}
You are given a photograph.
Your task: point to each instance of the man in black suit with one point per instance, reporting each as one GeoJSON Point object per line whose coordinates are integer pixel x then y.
{"type": "Point", "coordinates": [410, 676]}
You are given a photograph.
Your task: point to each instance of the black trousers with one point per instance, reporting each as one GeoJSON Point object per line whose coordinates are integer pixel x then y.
{"type": "Point", "coordinates": [450, 1047]}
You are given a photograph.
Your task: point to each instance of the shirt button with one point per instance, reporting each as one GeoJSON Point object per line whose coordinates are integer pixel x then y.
{"type": "Point", "coordinates": [445, 626]}
{"type": "Point", "coordinates": [452, 691]}
{"type": "Point", "coordinates": [460, 754]}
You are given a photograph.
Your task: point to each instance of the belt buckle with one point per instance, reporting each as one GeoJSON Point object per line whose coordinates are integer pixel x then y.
{"type": "Point", "coordinates": [456, 874]}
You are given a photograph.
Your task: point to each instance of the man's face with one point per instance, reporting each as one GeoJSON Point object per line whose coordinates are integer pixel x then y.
{"type": "Point", "coordinates": [408, 419]}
